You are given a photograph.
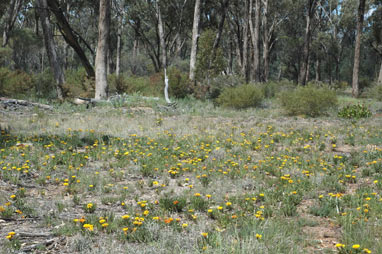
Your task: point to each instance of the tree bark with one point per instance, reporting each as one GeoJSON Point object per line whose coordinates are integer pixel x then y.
{"type": "Point", "coordinates": [163, 49]}
{"type": "Point", "coordinates": [255, 35]}
{"type": "Point", "coordinates": [51, 48]}
{"type": "Point", "coordinates": [119, 48]}
{"type": "Point", "coordinates": [318, 70]}
{"type": "Point", "coordinates": [195, 37]}
{"type": "Point", "coordinates": [69, 36]}
{"type": "Point", "coordinates": [266, 42]}
{"type": "Point", "coordinates": [357, 50]}
{"type": "Point", "coordinates": [162, 41]}
{"type": "Point", "coordinates": [13, 10]}
{"type": "Point", "coordinates": [308, 34]}
{"type": "Point", "coordinates": [102, 49]}
{"type": "Point", "coordinates": [245, 65]}
{"type": "Point", "coordinates": [380, 75]}
{"type": "Point", "coordinates": [221, 25]}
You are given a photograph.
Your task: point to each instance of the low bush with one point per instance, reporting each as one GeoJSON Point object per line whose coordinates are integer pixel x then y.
{"type": "Point", "coordinates": [15, 82]}
{"type": "Point", "coordinates": [375, 92]}
{"type": "Point", "coordinates": [271, 88]}
{"type": "Point", "coordinates": [241, 97]}
{"type": "Point", "coordinates": [44, 85]}
{"type": "Point", "coordinates": [220, 82]}
{"type": "Point", "coordinates": [77, 84]}
{"type": "Point", "coordinates": [309, 100]}
{"type": "Point", "coordinates": [354, 112]}
{"type": "Point", "coordinates": [121, 84]}
{"type": "Point", "coordinates": [178, 82]}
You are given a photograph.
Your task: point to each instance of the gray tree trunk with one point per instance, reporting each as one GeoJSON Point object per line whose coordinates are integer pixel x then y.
{"type": "Point", "coordinates": [380, 75]}
{"type": "Point", "coordinates": [255, 35]}
{"type": "Point", "coordinates": [266, 42]}
{"type": "Point", "coordinates": [119, 48]}
{"type": "Point", "coordinates": [245, 64]}
{"type": "Point", "coordinates": [162, 41]}
{"type": "Point", "coordinates": [102, 49]}
{"type": "Point", "coordinates": [318, 70]}
{"type": "Point", "coordinates": [51, 48]}
{"type": "Point", "coordinates": [195, 37]}
{"type": "Point", "coordinates": [308, 34]}
{"type": "Point", "coordinates": [69, 36]}
{"type": "Point", "coordinates": [13, 10]}
{"type": "Point", "coordinates": [357, 51]}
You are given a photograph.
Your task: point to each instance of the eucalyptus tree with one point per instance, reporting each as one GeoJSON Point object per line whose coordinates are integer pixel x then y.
{"type": "Point", "coordinates": [357, 50]}
{"type": "Point", "coordinates": [102, 49]}
{"type": "Point", "coordinates": [12, 13]}
{"type": "Point", "coordinates": [195, 37]}
{"type": "Point", "coordinates": [376, 34]}
{"type": "Point", "coordinates": [50, 46]}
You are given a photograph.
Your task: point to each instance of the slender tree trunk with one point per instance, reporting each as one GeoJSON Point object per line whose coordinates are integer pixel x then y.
{"type": "Point", "coordinates": [245, 66]}
{"type": "Point", "coordinates": [36, 24]}
{"type": "Point", "coordinates": [162, 41]}
{"type": "Point", "coordinates": [230, 57]}
{"type": "Point", "coordinates": [307, 71]}
{"type": "Point", "coordinates": [380, 75]}
{"type": "Point", "coordinates": [307, 39]}
{"type": "Point", "coordinates": [318, 70]}
{"type": "Point", "coordinates": [51, 48]}
{"type": "Point", "coordinates": [255, 35]}
{"type": "Point", "coordinates": [357, 51]}
{"type": "Point", "coordinates": [266, 42]}
{"type": "Point", "coordinates": [13, 10]}
{"type": "Point", "coordinates": [69, 36]}
{"type": "Point", "coordinates": [119, 44]}
{"type": "Point", "coordinates": [102, 49]}
{"type": "Point", "coordinates": [221, 25]}
{"type": "Point", "coordinates": [163, 49]}
{"type": "Point", "coordinates": [195, 37]}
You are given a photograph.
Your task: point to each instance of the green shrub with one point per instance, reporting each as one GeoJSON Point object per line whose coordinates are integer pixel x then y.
{"type": "Point", "coordinates": [152, 86]}
{"type": "Point", "coordinates": [354, 112]}
{"type": "Point", "coordinates": [365, 83]}
{"type": "Point", "coordinates": [271, 88]}
{"type": "Point", "coordinates": [341, 85]}
{"type": "Point", "coordinates": [77, 84]}
{"type": "Point", "coordinates": [241, 97]}
{"type": "Point", "coordinates": [209, 62]}
{"type": "Point", "coordinates": [220, 82]}
{"type": "Point", "coordinates": [117, 84]}
{"type": "Point", "coordinates": [178, 82]}
{"type": "Point", "coordinates": [375, 92]}
{"type": "Point", "coordinates": [308, 100]}
{"type": "Point", "coordinates": [15, 82]}
{"type": "Point", "coordinates": [6, 56]}
{"type": "Point", "coordinates": [44, 85]}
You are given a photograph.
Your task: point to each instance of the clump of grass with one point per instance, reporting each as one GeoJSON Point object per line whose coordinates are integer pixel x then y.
{"type": "Point", "coordinates": [309, 100]}
{"type": "Point", "coordinates": [241, 97]}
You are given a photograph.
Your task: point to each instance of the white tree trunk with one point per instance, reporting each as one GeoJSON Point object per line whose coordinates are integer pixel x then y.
{"type": "Point", "coordinates": [164, 50]}
{"type": "Point", "coordinates": [102, 49]}
{"type": "Point", "coordinates": [195, 37]}
{"type": "Point", "coordinates": [380, 75]}
{"type": "Point", "coordinates": [166, 87]}
{"type": "Point", "coordinates": [51, 48]}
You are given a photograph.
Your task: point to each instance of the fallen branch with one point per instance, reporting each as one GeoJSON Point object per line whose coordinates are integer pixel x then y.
{"type": "Point", "coordinates": [37, 245]}
{"type": "Point", "coordinates": [26, 234]}
{"type": "Point", "coordinates": [10, 102]}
